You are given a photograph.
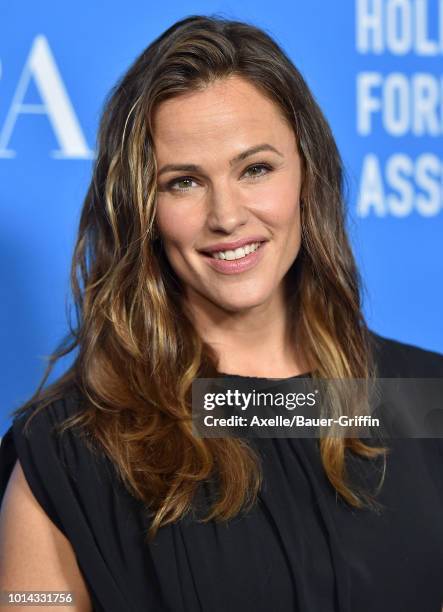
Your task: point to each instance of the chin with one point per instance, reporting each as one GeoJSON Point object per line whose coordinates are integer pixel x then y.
{"type": "Point", "coordinates": [242, 304]}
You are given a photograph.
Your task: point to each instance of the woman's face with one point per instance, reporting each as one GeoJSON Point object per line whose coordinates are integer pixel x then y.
{"type": "Point", "coordinates": [214, 189]}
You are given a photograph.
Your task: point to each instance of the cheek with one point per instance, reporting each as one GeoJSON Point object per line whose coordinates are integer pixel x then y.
{"type": "Point", "coordinates": [283, 205]}
{"type": "Point", "coordinates": [176, 225]}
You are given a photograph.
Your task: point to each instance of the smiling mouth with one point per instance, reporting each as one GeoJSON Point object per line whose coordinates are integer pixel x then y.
{"type": "Point", "coordinates": [234, 254]}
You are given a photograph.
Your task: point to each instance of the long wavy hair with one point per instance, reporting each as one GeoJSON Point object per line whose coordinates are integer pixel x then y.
{"type": "Point", "coordinates": [138, 351]}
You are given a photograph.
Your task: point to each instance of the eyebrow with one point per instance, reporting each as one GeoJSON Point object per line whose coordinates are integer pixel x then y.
{"type": "Point", "coordinates": [240, 157]}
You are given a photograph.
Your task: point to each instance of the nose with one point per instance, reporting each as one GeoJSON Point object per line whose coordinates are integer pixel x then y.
{"type": "Point", "coordinates": [226, 209]}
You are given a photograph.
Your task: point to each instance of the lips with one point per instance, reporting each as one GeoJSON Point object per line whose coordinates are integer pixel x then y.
{"type": "Point", "coordinates": [236, 266]}
{"type": "Point", "coordinates": [231, 246]}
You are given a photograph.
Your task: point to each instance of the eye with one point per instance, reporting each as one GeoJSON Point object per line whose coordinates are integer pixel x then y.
{"type": "Point", "coordinates": [182, 179]}
{"type": "Point", "coordinates": [263, 167]}
{"type": "Point", "coordinates": [173, 185]}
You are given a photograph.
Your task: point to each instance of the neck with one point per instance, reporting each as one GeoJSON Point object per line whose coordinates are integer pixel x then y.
{"type": "Point", "coordinates": [253, 342]}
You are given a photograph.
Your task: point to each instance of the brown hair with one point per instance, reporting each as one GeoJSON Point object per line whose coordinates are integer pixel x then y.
{"type": "Point", "coordinates": [138, 352]}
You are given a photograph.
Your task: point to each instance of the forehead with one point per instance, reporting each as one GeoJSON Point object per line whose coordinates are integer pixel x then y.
{"type": "Point", "coordinates": [228, 113]}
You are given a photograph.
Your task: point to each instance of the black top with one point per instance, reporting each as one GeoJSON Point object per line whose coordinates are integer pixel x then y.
{"type": "Point", "coordinates": [300, 549]}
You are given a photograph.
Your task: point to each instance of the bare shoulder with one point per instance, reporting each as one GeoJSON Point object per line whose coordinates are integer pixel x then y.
{"type": "Point", "coordinates": [34, 553]}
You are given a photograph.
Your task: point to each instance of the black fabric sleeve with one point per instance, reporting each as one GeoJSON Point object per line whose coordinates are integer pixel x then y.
{"type": "Point", "coordinates": [38, 451]}
{"type": "Point", "coordinates": [72, 484]}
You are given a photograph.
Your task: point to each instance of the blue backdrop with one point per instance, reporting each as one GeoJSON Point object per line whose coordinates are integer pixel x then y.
{"type": "Point", "coordinates": [375, 67]}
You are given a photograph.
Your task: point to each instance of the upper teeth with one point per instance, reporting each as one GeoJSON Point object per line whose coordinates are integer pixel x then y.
{"type": "Point", "coordinates": [238, 253]}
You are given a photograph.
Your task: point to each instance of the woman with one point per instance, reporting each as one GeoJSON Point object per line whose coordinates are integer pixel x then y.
{"type": "Point", "coordinates": [210, 142]}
